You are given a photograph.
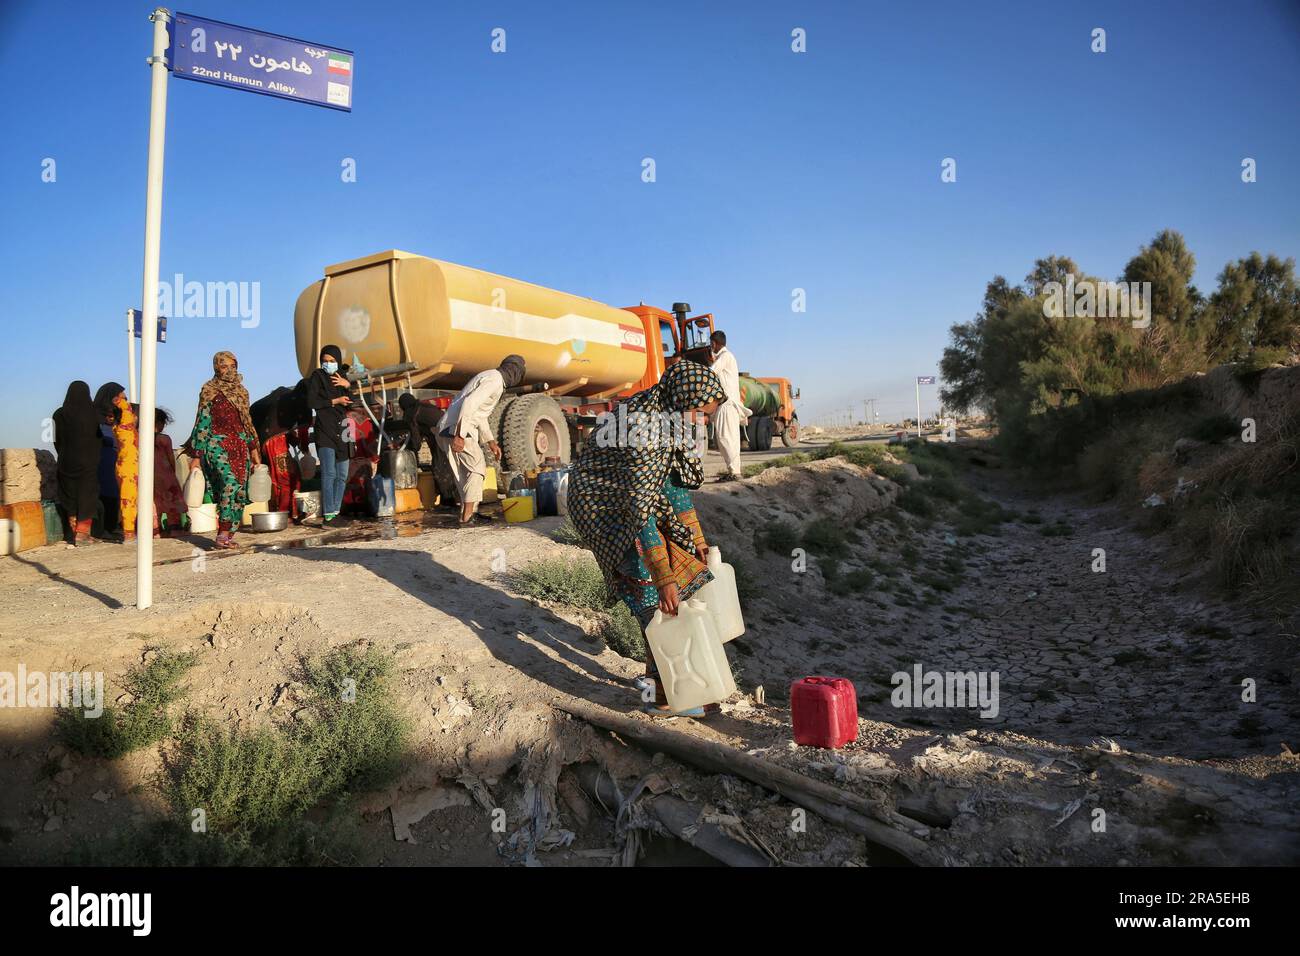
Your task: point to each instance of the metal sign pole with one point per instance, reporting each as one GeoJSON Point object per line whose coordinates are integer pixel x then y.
{"type": "Point", "coordinates": [918, 408]}
{"type": "Point", "coordinates": [130, 356]}
{"type": "Point", "coordinates": [149, 309]}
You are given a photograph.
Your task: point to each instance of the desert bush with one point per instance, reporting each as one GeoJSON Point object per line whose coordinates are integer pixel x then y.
{"type": "Point", "coordinates": [780, 537]}
{"type": "Point", "coordinates": [575, 581]}
{"type": "Point", "coordinates": [622, 633]}
{"type": "Point", "coordinates": [145, 720]}
{"type": "Point", "coordinates": [348, 738]}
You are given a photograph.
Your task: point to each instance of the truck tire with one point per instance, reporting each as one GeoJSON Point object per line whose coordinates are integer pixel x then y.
{"type": "Point", "coordinates": [790, 436]}
{"type": "Point", "coordinates": [533, 429]}
{"type": "Point", "coordinates": [759, 433]}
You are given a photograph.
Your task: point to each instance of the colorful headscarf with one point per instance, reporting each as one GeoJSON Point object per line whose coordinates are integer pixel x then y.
{"type": "Point", "coordinates": [232, 387]}
{"type": "Point", "coordinates": [615, 488]}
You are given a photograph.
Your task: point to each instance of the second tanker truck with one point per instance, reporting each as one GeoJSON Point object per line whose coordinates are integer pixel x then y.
{"type": "Point", "coordinates": [429, 326]}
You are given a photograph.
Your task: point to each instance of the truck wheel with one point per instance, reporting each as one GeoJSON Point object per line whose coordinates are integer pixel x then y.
{"type": "Point", "coordinates": [759, 433]}
{"type": "Point", "coordinates": [790, 437]}
{"type": "Point", "coordinates": [494, 420]}
{"type": "Point", "coordinates": [533, 429]}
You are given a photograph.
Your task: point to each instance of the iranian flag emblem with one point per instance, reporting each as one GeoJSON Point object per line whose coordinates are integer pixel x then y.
{"type": "Point", "coordinates": [341, 63]}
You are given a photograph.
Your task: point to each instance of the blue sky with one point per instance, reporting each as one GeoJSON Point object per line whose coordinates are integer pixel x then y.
{"type": "Point", "coordinates": [775, 170]}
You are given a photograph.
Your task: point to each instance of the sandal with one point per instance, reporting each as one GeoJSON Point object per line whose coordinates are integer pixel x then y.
{"type": "Point", "coordinates": [225, 541]}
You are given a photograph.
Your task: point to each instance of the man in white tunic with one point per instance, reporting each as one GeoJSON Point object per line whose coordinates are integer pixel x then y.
{"type": "Point", "coordinates": [465, 427]}
{"type": "Point", "coordinates": [731, 413]}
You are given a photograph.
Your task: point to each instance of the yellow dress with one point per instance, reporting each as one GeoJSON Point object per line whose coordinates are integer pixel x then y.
{"type": "Point", "coordinates": [128, 463]}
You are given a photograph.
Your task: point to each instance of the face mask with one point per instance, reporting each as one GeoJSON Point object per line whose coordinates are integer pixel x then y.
{"type": "Point", "coordinates": [229, 374]}
{"type": "Point", "coordinates": [330, 367]}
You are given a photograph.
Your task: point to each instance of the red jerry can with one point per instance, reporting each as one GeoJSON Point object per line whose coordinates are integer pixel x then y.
{"type": "Point", "coordinates": [824, 711]}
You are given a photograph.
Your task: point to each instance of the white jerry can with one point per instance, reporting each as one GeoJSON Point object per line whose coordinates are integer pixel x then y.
{"type": "Point", "coordinates": [722, 598]}
{"type": "Point", "coordinates": [693, 668]}
{"type": "Point", "coordinates": [195, 488]}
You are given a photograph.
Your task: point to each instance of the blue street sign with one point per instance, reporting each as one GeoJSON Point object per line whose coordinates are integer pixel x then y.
{"type": "Point", "coordinates": [925, 380]}
{"type": "Point", "coordinates": [138, 318]}
{"type": "Point", "coordinates": [214, 52]}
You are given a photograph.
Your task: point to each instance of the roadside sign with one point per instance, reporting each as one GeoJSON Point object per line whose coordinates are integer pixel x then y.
{"type": "Point", "coordinates": [925, 380]}
{"type": "Point", "coordinates": [210, 51]}
{"type": "Point", "coordinates": [137, 319]}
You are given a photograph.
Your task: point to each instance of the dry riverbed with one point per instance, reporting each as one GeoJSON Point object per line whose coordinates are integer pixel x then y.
{"type": "Point", "coordinates": [1121, 734]}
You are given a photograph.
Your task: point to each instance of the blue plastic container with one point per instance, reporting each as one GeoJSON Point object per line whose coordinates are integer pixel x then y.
{"type": "Point", "coordinates": [381, 496]}
{"type": "Point", "coordinates": [548, 490]}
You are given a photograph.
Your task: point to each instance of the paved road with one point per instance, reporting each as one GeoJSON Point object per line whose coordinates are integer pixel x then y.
{"type": "Point", "coordinates": [713, 461]}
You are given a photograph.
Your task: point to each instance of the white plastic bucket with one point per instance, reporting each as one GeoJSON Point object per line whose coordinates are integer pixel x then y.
{"type": "Point", "coordinates": [203, 518]}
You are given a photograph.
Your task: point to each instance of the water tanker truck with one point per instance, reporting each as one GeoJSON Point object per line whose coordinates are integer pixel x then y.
{"type": "Point", "coordinates": [771, 405]}
{"type": "Point", "coordinates": [427, 326]}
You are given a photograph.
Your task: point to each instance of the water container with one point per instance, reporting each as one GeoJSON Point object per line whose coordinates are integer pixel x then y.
{"type": "Point", "coordinates": [518, 508]}
{"type": "Point", "coordinates": [253, 508]}
{"type": "Point", "coordinates": [307, 503]}
{"type": "Point", "coordinates": [54, 526]}
{"type": "Point", "coordinates": [259, 484]}
{"type": "Point", "coordinates": [549, 484]}
{"type": "Point", "coordinates": [408, 499]}
{"type": "Point", "coordinates": [490, 492]}
{"type": "Point", "coordinates": [381, 496]}
{"type": "Point", "coordinates": [307, 466]}
{"type": "Point", "coordinates": [693, 669]}
{"type": "Point", "coordinates": [722, 598]}
{"type": "Point", "coordinates": [203, 518]}
{"type": "Point", "coordinates": [428, 489]}
{"type": "Point", "coordinates": [29, 519]}
{"type": "Point", "coordinates": [824, 711]}
{"type": "Point", "coordinates": [401, 466]}
{"type": "Point", "coordinates": [195, 488]}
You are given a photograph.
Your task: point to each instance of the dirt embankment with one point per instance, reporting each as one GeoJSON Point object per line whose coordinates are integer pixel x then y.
{"type": "Point", "coordinates": [1194, 772]}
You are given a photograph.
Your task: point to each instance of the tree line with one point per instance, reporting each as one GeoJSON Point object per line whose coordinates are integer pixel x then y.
{"type": "Point", "coordinates": [1023, 356]}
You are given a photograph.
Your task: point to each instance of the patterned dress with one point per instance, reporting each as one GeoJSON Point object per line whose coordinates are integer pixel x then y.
{"type": "Point", "coordinates": [223, 449]}
{"type": "Point", "coordinates": [654, 561]}
{"type": "Point", "coordinates": [168, 500]}
{"type": "Point", "coordinates": [128, 463]}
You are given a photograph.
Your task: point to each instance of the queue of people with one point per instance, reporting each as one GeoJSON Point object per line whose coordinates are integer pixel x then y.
{"type": "Point", "coordinates": [98, 448]}
{"type": "Point", "coordinates": [652, 558]}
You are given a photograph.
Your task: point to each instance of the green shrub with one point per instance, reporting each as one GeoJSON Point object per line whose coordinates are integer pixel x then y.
{"type": "Point", "coordinates": [780, 537]}
{"type": "Point", "coordinates": [826, 538]}
{"type": "Point", "coordinates": [575, 581]}
{"type": "Point", "coordinates": [116, 732]}
{"type": "Point", "coordinates": [350, 738]}
{"type": "Point", "coordinates": [854, 582]}
{"type": "Point", "coordinates": [622, 633]}
{"type": "Point", "coordinates": [566, 533]}
{"type": "Point", "coordinates": [915, 502]}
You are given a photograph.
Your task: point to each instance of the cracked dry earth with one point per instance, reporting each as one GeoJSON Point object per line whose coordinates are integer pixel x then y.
{"type": "Point", "coordinates": [1120, 691]}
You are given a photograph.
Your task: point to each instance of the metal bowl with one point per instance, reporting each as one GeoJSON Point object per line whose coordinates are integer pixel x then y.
{"type": "Point", "coordinates": [271, 521]}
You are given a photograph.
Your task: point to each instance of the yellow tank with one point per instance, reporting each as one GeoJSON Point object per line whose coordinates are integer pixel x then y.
{"type": "Point", "coordinates": [453, 322]}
